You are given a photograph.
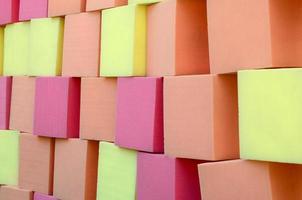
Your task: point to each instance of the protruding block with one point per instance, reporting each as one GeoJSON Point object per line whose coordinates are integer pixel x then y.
{"type": "Point", "coordinates": [103, 4]}
{"type": "Point", "coordinates": [9, 11]}
{"type": "Point", "coordinates": [75, 175]}
{"type": "Point", "coordinates": [1, 49]}
{"type": "Point", "coordinates": [60, 8]}
{"type": "Point", "coordinates": [98, 108]}
{"type": "Point", "coordinates": [123, 37]}
{"type": "Point", "coordinates": [16, 45]}
{"type": "Point", "coordinates": [140, 114]}
{"type": "Point", "coordinates": [46, 44]}
{"type": "Point", "coordinates": [14, 193]}
{"type": "Point", "coordinates": [57, 107]}
{"type": "Point", "coordinates": [36, 163]}
{"type": "Point", "coordinates": [22, 104]}
{"type": "Point", "coordinates": [39, 196]}
{"type": "Point", "coordinates": [9, 156]}
{"type": "Point", "coordinates": [177, 38]}
{"type": "Point", "coordinates": [82, 44]}
{"type": "Point", "coordinates": [116, 172]}
{"type": "Point", "coordinates": [200, 117]}
{"type": "Point", "coordinates": [30, 9]}
{"type": "Point", "coordinates": [160, 177]}
{"type": "Point", "coordinates": [269, 111]}
{"type": "Point", "coordinates": [5, 100]}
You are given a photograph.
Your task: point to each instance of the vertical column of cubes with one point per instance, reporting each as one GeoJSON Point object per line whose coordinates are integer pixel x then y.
{"type": "Point", "coordinates": [11, 193]}
{"type": "Point", "coordinates": [92, 5]}
{"type": "Point", "coordinates": [9, 11]}
{"type": "Point", "coordinates": [5, 101]}
{"type": "Point", "coordinates": [30, 9]}
{"type": "Point", "coordinates": [60, 8]}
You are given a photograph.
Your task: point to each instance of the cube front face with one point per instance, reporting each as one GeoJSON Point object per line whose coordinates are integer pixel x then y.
{"type": "Point", "coordinates": [5, 101]}
{"type": "Point", "coordinates": [92, 5]}
{"type": "Point", "coordinates": [39, 196]}
{"type": "Point", "coordinates": [11, 193]}
{"type": "Point", "coordinates": [269, 111]}
{"type": "Point", "coordinates": [9, 11]}
{"type": "Point", "coordinates": [60, 8]}
{"type": "Point", "coordinates": [30, 9]}
{"type": "Point", "coordinates": [1, 49]}
{"type": "Point", "coordinates": [123, 37]}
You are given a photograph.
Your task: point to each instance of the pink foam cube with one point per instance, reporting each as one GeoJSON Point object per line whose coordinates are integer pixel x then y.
{"type": "Point", "coordinates": [161, 177]}
{"type": "Point", "coordinates": [9, 11]}
{"type": "Point", "coordinates": [39, 196]}
{"type": "Point", "coordinates": [57, 107]}
{"type": "Point", "coordinates": [30, 9]}
{"type": "Point", "coordinates": [140, 113]}
{"type": "Point", "coordinates": [5, 97]}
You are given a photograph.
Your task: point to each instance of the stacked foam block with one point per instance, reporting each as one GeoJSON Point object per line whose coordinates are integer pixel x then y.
{"type": "Point", "coordinates": [150, 100]}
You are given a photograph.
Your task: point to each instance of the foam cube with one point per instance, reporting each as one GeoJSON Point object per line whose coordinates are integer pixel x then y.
{"type": "Point", "coordinates": [1, 49]}
{"type": "Point", "coordinates": [22, 104]}
{"type": "Point", "coordinates": [9, 156]}
{"type": "Point", "coordinates": [98, 108]}
{"type": "Point", "coordinates": [30, 9]}
{"type": "Point", "coordinates": [57, 107]}
{"type": "Point", "coordinates": [161, 177]}
{"type": "Point", "coordinates": [36, 163]}
{"type": "Point", "coordinates": [269, 110]}
{"type": "Point", "coordinates": [177, 38]}
{"type": "Point", "coordinates": [143, 1]}
{"type": "Point", "coordinates": [14, 193]}
{"type": "Point", "coordinates": [5, 100]}
{"type": "Point", "coordinates": [16, 45]}
{"type": "Point", "coordinates": [81, 44]}
{"type": "Point", "coordinates": [140, 114]}
{"type": "Point", "coordinates": [123, 37]}
{"type": "Point", "coordinates": [9, 11]}
{"type": "Point", "coordinates": [75, 172]}
{"type": "Point", "coordinates": [39, 196]}
{"type": "Point", "coordinates": [46, 44]}
{"type": "Point", "coordinates": [116, 172]}
{"type": "Point", "coordinates": [200, 117]}
{"type": "Point", "coordinates": [92, 5]}
{"type": "Point", "coordinates": [61, 8]}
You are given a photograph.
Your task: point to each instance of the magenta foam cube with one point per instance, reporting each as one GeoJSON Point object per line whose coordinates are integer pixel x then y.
{"type": "Point", "coordinates": [140, 114]}
{"type": "Point", "coordinates": [5, 99]}
{"type": "Point", "coordinates": [39, 196]}
{"type": "Point", "coordinates": [57, 107]}
{"type": "Point", "coordinates": [30, 9]}
{"type": "Point", "coordinates": [9, 11]}
{"type": "Point", "coordinates": [161, 177]}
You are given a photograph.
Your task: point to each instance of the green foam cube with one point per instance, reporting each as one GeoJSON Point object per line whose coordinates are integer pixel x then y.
{"type": "Point", "coordinates": [123, 42]}
{"type": "Point", "coordinates": [1, 49]}
{"type": "Point", "coordinates": [116, 172]}
{"type": "Point", "coordinates": [46, 43]}
{"type": "Point", "coordinates": [16, 48]}
{"type": "Point", "coordinates": [270, 113]}
{"type": "Point", "coordinates": [143, 1]}
{"type": "Point", "coordinates": [9, 157]}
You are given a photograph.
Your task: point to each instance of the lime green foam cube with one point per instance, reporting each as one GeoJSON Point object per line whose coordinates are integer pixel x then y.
{"type": "Point", "coordinates": [270, 113]}
{"type": "Point", "coordinates": [9, 157]}
{"type": "Point", "coordinates": [16, 48]}
{"type": "Point", "coordinates": [1, 49]}
{"type": "Point", "coordinates": [46, 43]}
{"type": "Point", "coordinates": [123, 41]}
{"type": "Point", "coordinates": [143, 1]}
{"type": "Point", "coordinates": [116, 172]}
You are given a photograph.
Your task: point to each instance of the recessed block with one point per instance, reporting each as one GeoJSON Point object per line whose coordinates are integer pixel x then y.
{"type": "Point", "coordinates": [46, 44]}
{"type": "Point", "coordinates": [57, 107]}
{"type": "Point", "coordinates": [269, 111]}
{"type": "Point", "coordinates": [39, 196]}
{"type": "Point", "coordinates": [30, 9]}
{"type": "Point", "coordinates": [75, 172]}
{"type": "Point", "coordinates": [177, 38]}
{"type": "Point", "coordinates": [36, 163]}
{"type": "Point", "coordinates": [123, 37]}
{"type": "Point", "coordinates": [14, 193]}
{"type": "Point", "coordinates": [9, 156]}
{"type": "Point", "coordinates": [98, 108]}
{"type": "Point", "coordinates": [5, 100]}
{"type": "Point", "coordinates": [9, 11]}
{"type": "Point", "coordinates": [140, 114]}
{"type": "Point", "coordinates": [116, 172]}
{"type": "Point", "coordinates": [22, 104]}
{"type": "Point", "coordinates": [16, 45]}
{"type": "Point", "coordinates": [161, 177]}
{"type": "Point", "coordinates": [200, 117]}
{"type": "Point", "coordinates": [1, 49]}
{"type": "Point", "coordinates": [60, 8]}
{"type": "Point", "coordinates": [103, 4]}
{"type": "Point", "coordinates": [81, 44]}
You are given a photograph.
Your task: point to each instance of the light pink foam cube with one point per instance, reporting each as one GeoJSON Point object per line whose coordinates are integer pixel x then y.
{"type": "Point", "coordinates": [39, 196]}
{"type": "Point", "coordinates": [9, 11]}
{"type": "Point", "coordinates": [5, 97]}
{"type": "Point", "coordinates": [161, 177]}
{"type": "Point", "coordinates": [140, 114]}
{"type": "Point", "coordinates": [30, 9]}
{"type": "Point", "coordinates": [57, 107]}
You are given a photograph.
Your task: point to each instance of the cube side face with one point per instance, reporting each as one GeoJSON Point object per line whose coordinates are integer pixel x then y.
{"type": "Point", "coordinates": [1, 49]}
{"type": "Point", "coordinates": [81, 48]}
{"type": "Point", "coordinates": [189, 138]}
{"type": "Point", "coordinates": [39, 196]}
{"type": "Point", "coordinates": [9, 11]}
{"type": "Point", "coordinates": [98, 108]}
{"type": "Point", "coordinates": [30, 9]}
{"type": "Point", "coordinates": [116, 172]}
{"type": "Point", "coordinates": [60, 8]}
{"type": "Point", "coordinates": [269, 112]}
{"type": "Point", "coordinates": [10, 193]}
{"type": "Point", "coordinates": [5, 99]}
{"type": "Point", "coordinates": [16, 44]}
{"type": "Point", "coordinates": [9, 155]}
{"type": "Point", "coordinates": [250, 45]}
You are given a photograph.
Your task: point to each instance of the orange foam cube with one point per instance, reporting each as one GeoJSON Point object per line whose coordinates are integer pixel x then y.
{"type": "Point", "coordinates": [92, 5]}
{"type": "Point", "coordinates": [65, 7]}
{"type": "Point", "coordinates": [14, 193]}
